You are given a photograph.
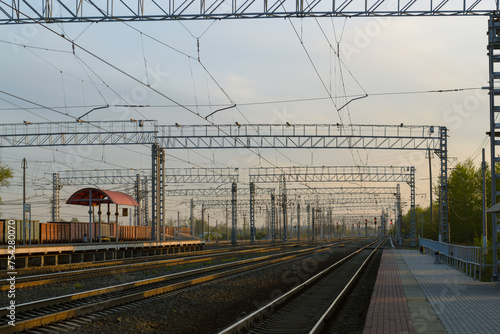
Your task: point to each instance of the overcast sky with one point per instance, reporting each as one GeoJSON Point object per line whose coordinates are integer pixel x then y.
{"type": "Point", "coordinates": [275, 70]}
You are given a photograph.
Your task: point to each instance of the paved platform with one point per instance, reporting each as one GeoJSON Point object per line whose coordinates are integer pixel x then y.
{"type": "Point", "coordinates": [462, 304]}
{"type": "Point", "coordinates": [388, 311]}
{"type": "Point", "coordinates": [41, 255]}
{"type": "Point", "coordinates": [82, 247]}
{"type": "Point", "coordinates": [414, 295]}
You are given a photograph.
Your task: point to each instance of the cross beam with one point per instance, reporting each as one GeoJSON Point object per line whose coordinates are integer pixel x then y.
{"type": "Point", "coordinates": [17, 12]}
{"type": "Point", "coordinates": [331, 174]}
{"type": "Point", "coordinates": [300, 136]}
{"type": "Point", "coordinates": [78, 133]}
{"type": "Point", "coordinates": [342, 174]}
{"type": "Point", "coordinates": [250, 136]}
{"type": "Point", "coordinates": [102, 176]}
{"type": "Point", "coordinates": [201, 175]}
{"type": "Point", "coordinates": [203, 192]}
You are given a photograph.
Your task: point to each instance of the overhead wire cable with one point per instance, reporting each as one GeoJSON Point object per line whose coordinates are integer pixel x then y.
{"type": "Point", "coordinates": [234, 105]}
{"type": "Point", "coordinates": [140, 82]}
{"type": "Point", "coordinates": [25, 109]}
{"type": "Point", "coordinates": [34, 47]}
{"type": "Point", "coordinates": [145, 61]}
{"type": "Point", "coordinates": [268, 102]}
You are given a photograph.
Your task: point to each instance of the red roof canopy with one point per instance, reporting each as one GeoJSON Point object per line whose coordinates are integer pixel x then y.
{"type": "Point", "coordinates": [81, 197]}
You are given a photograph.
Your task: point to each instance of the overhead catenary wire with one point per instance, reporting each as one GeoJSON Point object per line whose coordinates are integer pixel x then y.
{"type": "Point", "coordinates": [214, 125]}
{"type": "Point", "coordinates": [82, 63]}
{"type": "Point", "coordinates": [275, 101]}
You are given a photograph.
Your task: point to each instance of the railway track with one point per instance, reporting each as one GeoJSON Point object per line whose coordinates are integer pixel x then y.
{"type": "Point", "coordinates": [309, 307]}
{"type": "Point", "coordinates": [140, 259]}
{"type": "Point", "coordinates": [43, 312]}
{"type": "Point", "coordinates": [65, 276]}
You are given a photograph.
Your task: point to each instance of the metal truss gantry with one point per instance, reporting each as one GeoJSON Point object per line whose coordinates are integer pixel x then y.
{"type": "Point", "coordinates": [331, 174]}
{"type": "Point", "coordinates": [157, 193]}
{"type": "Point", "coordinates": [220, 191]}
{"type": "Point", "coordinates": [78, 133]}
{"type": "Point", "coordinates": [399, 137]}
{"type": "Point", "coordinates": [16, 11]}
{"type": "Point", "coordinates": [137, 177]}
{"type": "Point", "coordinates": [299, 136]}
{"type": "Point", "coordinates": [340, 198]}
{"type": "Point", "coordinates": [494, 91]}
{"type": "Point", "coordinates": [201, 175]}
{"type": "Point", "coordinates": [340, 174]}
{"type": "Point", "coordinates": [337, 203]}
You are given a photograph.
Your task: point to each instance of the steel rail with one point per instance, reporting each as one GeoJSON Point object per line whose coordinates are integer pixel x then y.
{"type": "Point", "coordinates": [94, 306]}
{"type": "Point", "coordinates": [31, 281]}
{"type": "Point", "coordinates": [329, 313]}
{"type": "Point", "coordinates": [256, 317]}
{"type": "Point", "coordinates": [146, 258]}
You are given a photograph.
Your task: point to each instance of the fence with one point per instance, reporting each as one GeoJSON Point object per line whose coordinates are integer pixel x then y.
{"type": "Point", "coordinates": [468, 259]}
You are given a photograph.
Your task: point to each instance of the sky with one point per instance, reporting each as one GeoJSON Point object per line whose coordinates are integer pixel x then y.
{"type": "Point", "coordinates": [274, 70]}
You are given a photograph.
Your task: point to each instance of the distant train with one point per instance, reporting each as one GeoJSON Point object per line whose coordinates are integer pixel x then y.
{"type": "Point", "coordinates": [75, 232]}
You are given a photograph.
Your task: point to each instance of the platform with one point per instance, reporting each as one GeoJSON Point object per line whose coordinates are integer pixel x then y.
{"type": "Point", "coordinates": [439, 298]}
{"type": "Point", "coordinates": [55, 254]}
{"type": "Point", "coordinates": [60, 248]}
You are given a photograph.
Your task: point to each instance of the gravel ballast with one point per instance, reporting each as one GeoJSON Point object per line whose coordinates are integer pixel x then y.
{"type": "Point", "coordinates": [211, 307]}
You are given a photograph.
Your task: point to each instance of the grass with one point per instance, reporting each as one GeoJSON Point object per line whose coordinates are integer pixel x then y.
{"type": "Point", "coordinates": [77, 286]}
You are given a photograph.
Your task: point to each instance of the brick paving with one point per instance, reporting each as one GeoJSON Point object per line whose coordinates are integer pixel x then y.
{"type": "Point", "coordinates": [462, 304]}
{"type": "Point", "coordinates": [388, 311]}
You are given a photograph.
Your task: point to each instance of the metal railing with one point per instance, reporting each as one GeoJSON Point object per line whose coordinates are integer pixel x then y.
{"type": "Point", "coordinates": [468, 259]}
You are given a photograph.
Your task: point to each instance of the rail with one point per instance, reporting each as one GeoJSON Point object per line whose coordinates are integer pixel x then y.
{"type": "Point", "coordinates": [47, 311]}
{"type": "Point", "coordinates": [257, 317]}
{"type": "Point", "coordinates": [467, 259]}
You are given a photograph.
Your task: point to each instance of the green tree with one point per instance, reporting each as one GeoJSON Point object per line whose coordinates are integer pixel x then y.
{"type": "Point", "coordinates": [465, 202]}
{"type": "Point", "coordinates": [464, 206]}
{"type": "Point", "coordinates": [5, 175]}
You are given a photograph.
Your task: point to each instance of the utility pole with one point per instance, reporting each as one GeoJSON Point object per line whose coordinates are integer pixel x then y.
{"type": "Point", "coordinates": [422, 225]}
{"type": "Point", "coordinates": [485, 226]}
{"type": "Point", "coordinates": [430, 186]}
{"type": "Point", "coordinates": [25, 165]}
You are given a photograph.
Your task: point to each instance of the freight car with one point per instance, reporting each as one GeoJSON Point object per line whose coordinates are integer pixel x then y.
{"type": "Point", "coordinates": [17, 227]}
{"type": "Point", "coordinates": [72, 232]}
{"type": "Point", "coordinates": [75, 232]}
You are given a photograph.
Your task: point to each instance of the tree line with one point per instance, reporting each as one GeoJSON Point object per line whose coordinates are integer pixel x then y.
{"type": "Point", "coordinates": [465, 210]}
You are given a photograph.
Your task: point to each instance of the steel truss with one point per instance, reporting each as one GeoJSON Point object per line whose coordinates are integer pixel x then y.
{"type": "Point", "coordinates": [204, 175]}
{"type": "Point", "coordinates": [16, 12]}
{"type": "Point", "coordinates": [342, 174]}
{"type": "Point", "coordinates": [157, 193]}
{"type": "Point", "coordinates": [204, 192]}
{"type": "Point", "coordinates": [494, 91]}
{"type": "Point", "coordinates": [355, 218]}
{"type": "Point", "coordinates": [325, 174]}
{"type": "Point", "coordinates": [78, 133]}
{"type": "Point", "coordinates": [258, 136]}
{"type": "Point", "coordinates": [299, 136]}
{"type": "Point", "coordinates": [331, 174]}
{"type": "Point", "coordinates": [201, 175]}
{"type": "Point", "coordinates": [338, 203]}
{"type": "Point", "coordinates": [102, 176]}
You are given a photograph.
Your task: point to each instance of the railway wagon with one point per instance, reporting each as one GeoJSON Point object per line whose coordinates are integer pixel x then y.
{"type": "Point", "coordinates": [129, 233]}
{"type": "Point", "coordinates": [177, 232]}
{"type": "Point", "coordinates": [17, 228]}
{"type": "Point", "coordinates": [75, 231]}
{"type": "Point", "coordinates": [71, 231]}
{"type": "Point", "coordinates": [79, 230]}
